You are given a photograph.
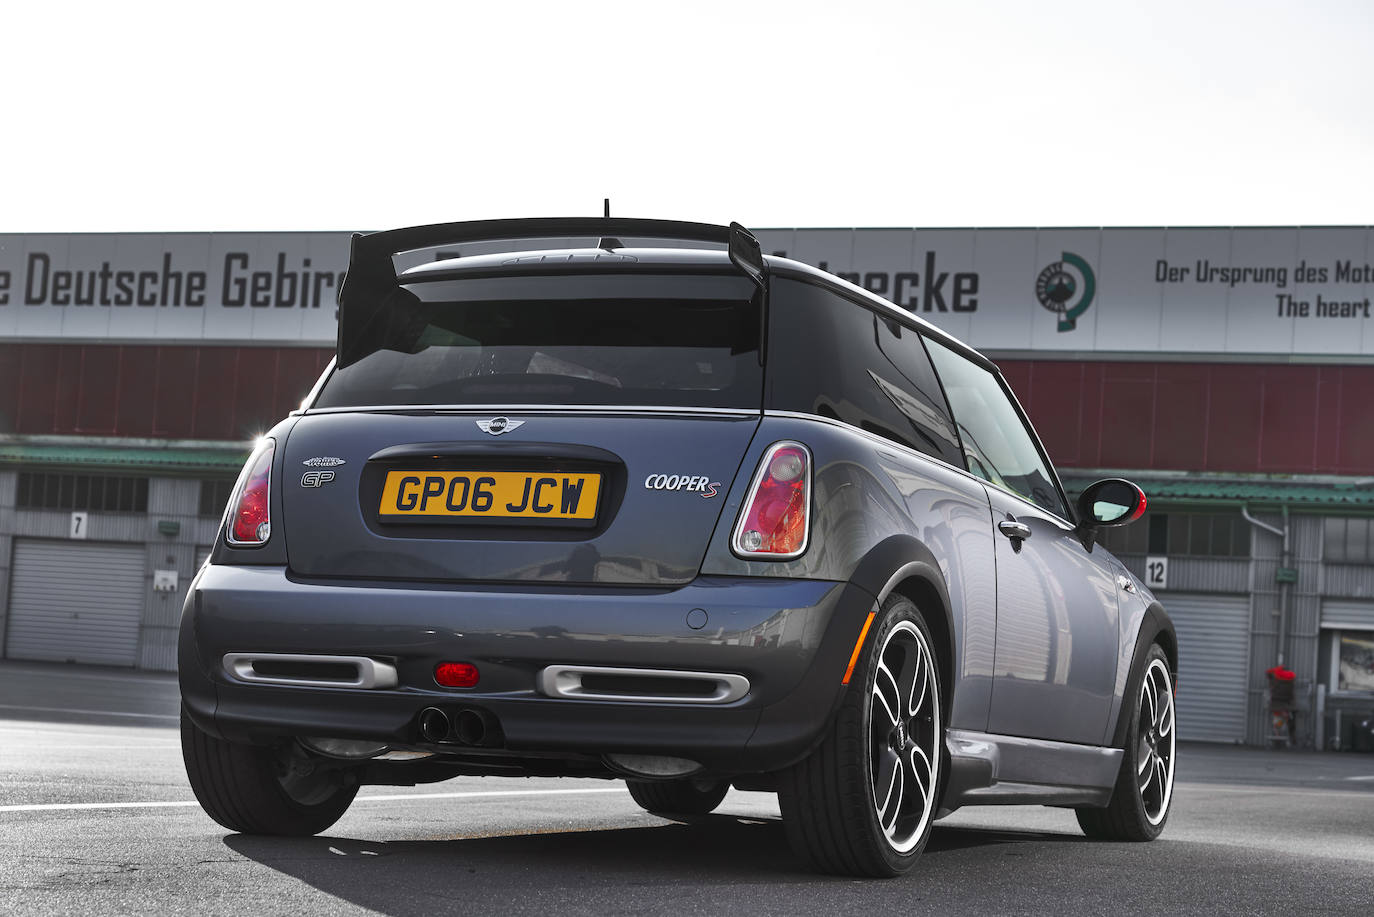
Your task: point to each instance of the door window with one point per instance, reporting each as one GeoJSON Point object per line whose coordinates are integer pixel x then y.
{"type": "Point", "coordinates": [830, 356]}
{"type": "Point", "coordinates": [997, 445]}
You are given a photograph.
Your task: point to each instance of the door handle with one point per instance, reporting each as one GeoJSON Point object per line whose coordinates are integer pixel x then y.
{"type": "Point", "coordinates": [1013, 529]}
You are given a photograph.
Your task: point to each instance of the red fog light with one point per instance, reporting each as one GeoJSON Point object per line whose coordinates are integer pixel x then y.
{"type": "Point", "coordinates": [456, 674]}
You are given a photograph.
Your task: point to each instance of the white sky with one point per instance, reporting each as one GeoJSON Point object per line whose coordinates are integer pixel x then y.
{"type": "Point", "coordinates": [272, 116]}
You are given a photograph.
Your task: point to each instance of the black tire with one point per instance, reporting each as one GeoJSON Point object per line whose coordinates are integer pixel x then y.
{"type": "Point", "coordinates": [829, 800]}
{"type": "Point", "coordinates": [247, 788]}
{"type": "Point", "coordinates": [678, 797]}
{"type": "Point", "coordinates": [1137, 813]}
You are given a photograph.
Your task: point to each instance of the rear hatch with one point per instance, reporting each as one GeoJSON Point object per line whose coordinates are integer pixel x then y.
{"type": "Point", "coordinates": [570, 428]}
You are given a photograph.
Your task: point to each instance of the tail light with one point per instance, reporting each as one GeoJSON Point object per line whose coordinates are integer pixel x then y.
{"type": "Point", "coordinates": [248, 520]}
{"type": "Point", "coordinates": [774, 524]}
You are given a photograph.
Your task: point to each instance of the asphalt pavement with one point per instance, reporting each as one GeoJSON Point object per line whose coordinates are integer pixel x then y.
{"type": "Point", "coordinates": [96, 817]}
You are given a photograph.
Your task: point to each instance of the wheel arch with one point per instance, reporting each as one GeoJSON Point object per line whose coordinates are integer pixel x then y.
{"type": "Point", "coordinates": [1155, 627]}
{"type": "Point", "coordinates": [904, 565]}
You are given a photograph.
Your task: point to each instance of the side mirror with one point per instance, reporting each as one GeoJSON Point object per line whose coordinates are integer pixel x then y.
{"type": "Point", "coordinates": [1109, 502]}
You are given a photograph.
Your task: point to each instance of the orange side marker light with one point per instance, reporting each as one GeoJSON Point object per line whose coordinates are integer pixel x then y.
{"type": "Point", "coordinates": [858, 645]}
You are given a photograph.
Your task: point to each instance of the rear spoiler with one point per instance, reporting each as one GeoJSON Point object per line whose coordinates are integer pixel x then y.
{"type": "Point", "coordinates": [371, 278]}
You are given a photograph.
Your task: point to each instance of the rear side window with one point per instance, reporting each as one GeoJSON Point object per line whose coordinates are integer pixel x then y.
{"type": "Point", "coordinates": [687, 341]}
{"type": "Point", "coordinates": [998, 446]}
{"type": "Point", "coordinates": [830, 356]}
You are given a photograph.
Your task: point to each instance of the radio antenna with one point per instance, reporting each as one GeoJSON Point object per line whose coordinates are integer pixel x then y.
{"type": "Point", "coordinates": [607, 206]}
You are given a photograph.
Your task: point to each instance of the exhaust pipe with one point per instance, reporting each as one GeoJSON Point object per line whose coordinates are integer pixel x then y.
{"type": "Point", "coordinates": [470, 728]}
{"type": "Point", "coordinates": [464, 726]}
{"type": "Point", "coordinates": [434, 724]}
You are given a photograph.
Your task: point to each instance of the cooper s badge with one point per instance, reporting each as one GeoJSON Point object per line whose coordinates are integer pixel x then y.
{"type": "Point", "coordinates": [692, 483]}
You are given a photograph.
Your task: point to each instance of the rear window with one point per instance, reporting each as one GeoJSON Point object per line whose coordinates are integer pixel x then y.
{"type": "Point", "coordinates": [582, 340]}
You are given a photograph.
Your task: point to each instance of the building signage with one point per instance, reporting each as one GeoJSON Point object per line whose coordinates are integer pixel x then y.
{"type": "Point", "coordinates": [261, 287]}
{"type": "Point", "coordinates": [1264, 291]}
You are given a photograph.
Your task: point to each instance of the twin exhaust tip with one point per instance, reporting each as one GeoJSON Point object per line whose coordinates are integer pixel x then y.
{"type": "Point", "coordinates": [463, 727]}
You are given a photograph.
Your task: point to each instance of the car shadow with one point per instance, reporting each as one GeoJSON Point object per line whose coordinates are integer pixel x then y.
{"type": "Point", "coordinates": [534, 871]}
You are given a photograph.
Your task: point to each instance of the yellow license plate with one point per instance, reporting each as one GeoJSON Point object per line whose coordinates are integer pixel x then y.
{"type": "Point", "coordinates": [491, 494]}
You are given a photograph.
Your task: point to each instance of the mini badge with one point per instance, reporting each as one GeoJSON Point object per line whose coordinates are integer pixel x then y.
{"type": "Point", "coordinates": [498, 425]}
{"type": "Point", "coordinates": [323, 461]}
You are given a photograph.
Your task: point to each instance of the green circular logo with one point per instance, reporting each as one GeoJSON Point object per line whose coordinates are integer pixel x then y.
{"type": "Point", "coordinates": [1055, 287]}
{"type": "Point", "coordinates": [1066, 288]}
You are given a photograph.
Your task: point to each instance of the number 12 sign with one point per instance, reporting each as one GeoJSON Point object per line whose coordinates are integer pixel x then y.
{"type": "Point", "coordinates": [1157, 572]}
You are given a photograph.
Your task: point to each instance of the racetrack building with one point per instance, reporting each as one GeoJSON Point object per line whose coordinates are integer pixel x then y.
{"type": "Point", "coordinates": [1229, 372]}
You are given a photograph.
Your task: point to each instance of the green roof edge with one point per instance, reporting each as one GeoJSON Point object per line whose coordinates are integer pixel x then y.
{"type": "Point", "coordinates": [116, 458]}
{"type": "Point", "coordinates": [1203, 491]}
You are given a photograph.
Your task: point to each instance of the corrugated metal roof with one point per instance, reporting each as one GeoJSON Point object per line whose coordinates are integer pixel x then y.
{"type": "Point", "coordinates": [1235, 491]}
{"type": "Point", "coordinates": [217, 460]}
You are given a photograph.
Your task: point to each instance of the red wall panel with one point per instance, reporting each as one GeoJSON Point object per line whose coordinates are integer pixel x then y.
{"type": "Point", "coordinates": [221, 393]}
{"type": "Point", "coordinates": [1128, 415]}
{"type": "Point", "coordinates": [1288, 418]}
{"type": "Point", "coordinates": [1302, 419]}
{"type": "Point", "coordinates": [1353, 436]}
{"type": "Point", "coordinates": [35, 404]}
{"type": "Point", "coordinates": [255, 402]}
{"type": "Point", "coordinates": [1233, 420]}
{"type": "Point", "coordinates": [176, 370]}
{"type": "Point", "coordinates": [1057, 397]}
{"type": "Point", "coordinates": [66, 387]}
{"type": "Point", "coordinates": [1294, 419]}
{"type": "Point", "coordinates": [11, 375]}
{"type": "Point", "coordinates": [1182, 398]}
{"type": "Point", "coordinates": [99, 381]}
{"type": "Point", "coordinates": [216, 392]}
{"type": "Point", "coordinates": [136, 390]}
{"type": "Point", "coordinates": [1330, 395]}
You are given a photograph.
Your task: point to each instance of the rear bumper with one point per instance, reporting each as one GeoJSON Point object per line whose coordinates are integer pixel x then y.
{"type": "Point", "coordinates": [790, 638]}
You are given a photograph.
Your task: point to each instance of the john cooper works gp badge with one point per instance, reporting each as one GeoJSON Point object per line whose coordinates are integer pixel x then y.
{"type": "Point", "coordinates": [1066, 287]}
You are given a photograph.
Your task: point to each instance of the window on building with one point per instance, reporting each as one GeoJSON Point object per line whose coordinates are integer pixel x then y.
{"type": "Point", "coordinates": [1157, 532]}
{"type": "Point", "coordinates": [1352, 660]}
{"type": "Point", "coordinates": [1349, 541]}
{"type": "Point", "coordinates": [214, 495]}
{"type": "Point", "coordinates": [1356, 661]}
{"type": "Point", "coordinates": [1181, 535]}
{"type": "Point", "coordinates": [101, 493]}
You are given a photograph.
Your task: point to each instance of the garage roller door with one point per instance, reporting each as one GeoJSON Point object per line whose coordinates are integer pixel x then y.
{"type": "Point", "coordinates": [73, 602]}
{"type": "Point", "coordinates": [1352, 614]}
{"type": "Point", "coordinates": [1213, 662]}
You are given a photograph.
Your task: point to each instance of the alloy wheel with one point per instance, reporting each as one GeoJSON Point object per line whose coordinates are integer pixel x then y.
{"type": "Point", "coordinates": [904, 736]}
{"type": "Point", "coordinates": [1155, 742]}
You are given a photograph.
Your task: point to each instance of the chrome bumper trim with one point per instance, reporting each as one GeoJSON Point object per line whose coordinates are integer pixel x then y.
{"type": "Point", "coordinates": [566, 681]}
{"type": "Point", "coordinates": [369, 673]}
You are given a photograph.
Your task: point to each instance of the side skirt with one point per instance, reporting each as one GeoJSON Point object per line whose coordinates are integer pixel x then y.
{"type": "Point", "coordinates": [1006, 770]}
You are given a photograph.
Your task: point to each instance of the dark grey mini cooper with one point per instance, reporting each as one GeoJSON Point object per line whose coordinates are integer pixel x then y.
{"type": "Point", "coordinates": [688, 516]}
